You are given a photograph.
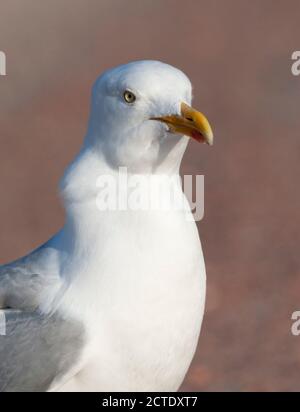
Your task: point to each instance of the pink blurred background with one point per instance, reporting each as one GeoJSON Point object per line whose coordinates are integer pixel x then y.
{"type": "Point", "coordinates": [238, 56]}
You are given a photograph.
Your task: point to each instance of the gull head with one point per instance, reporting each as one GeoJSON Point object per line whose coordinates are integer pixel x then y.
{"type": "Point", "coordinates": [141, 116]}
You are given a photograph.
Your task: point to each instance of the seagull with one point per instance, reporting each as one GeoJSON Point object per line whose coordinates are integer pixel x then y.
{"type": "Point", "coordinates": [114, 301]}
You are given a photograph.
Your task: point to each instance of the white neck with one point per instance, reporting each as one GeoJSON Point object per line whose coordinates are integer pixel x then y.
{"type": "Point", "coordinates": [85, 223]}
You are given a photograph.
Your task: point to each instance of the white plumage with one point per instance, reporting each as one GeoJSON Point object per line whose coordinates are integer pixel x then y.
{"type": "Point", "coordinates": [130, 285]}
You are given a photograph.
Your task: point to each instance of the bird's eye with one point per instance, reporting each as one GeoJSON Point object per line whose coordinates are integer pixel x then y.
{"type": "Point", "coordinates": [129, 97]}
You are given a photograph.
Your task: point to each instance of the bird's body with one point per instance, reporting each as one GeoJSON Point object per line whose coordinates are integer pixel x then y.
{"type": "Point", "coordinates": [114, 301]}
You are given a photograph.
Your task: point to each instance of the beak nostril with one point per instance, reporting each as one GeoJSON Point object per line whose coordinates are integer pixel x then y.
{"type": "Point", "coordinates": [189, 118]}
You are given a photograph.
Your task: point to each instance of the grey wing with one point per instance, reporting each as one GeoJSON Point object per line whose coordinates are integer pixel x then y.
{"type": "Point", "coordinates": [22, 281]}
{"type": "Point", "coordinates": [36, 350]}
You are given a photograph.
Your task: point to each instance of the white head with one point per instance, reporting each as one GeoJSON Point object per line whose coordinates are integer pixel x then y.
{"type": "Point", "coordinates": [139, 114]}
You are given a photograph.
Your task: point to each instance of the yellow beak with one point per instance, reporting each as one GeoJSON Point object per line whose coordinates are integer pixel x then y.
{"type": "Point", "coordinates": [190, 123]}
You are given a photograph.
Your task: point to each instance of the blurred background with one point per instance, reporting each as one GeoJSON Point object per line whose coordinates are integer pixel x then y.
{"type": "Point", "coordinates": [238, 55]}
